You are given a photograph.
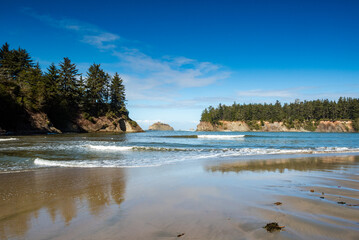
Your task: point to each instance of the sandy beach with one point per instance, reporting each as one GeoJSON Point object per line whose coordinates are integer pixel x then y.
{"type": "Point", "coordinates": [319, 199]}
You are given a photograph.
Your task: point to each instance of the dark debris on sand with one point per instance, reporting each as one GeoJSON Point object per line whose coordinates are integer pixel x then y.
{"type": "Point", "coordinates": [271, 227]}
{"type": "Point", "coordinates": [180, 235]}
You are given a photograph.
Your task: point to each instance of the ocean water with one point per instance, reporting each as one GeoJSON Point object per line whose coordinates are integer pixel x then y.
{"type": "Point", "coordinates": [156, 148]}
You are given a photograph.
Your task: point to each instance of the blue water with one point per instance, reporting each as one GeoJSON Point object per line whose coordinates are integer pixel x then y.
{"type": "Point", "coordinates": [156, 148]}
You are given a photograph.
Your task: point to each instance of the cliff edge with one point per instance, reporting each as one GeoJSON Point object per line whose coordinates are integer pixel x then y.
{"type": "Point", "coordinates": [265, 126]}
{"type": "Point", "coordinates": [39, 123]}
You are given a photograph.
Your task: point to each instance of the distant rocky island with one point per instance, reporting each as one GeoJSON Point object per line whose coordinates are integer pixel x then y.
{"type": "Point", "coordinates": [59, 99]}
{"type": "Point", "coordinates": [158, 126]}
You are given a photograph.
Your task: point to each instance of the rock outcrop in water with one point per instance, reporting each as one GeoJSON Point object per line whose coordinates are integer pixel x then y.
{"type": "Point", "coordinates": [158, 126]}
{"type": "Point", "coordinates": [265, 126]}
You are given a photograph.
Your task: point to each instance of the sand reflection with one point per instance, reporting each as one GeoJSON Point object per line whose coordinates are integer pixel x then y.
{"type": "Point", "coordinates": [61, 192]}
{"type": "Point", "coordinates": [280, 165]}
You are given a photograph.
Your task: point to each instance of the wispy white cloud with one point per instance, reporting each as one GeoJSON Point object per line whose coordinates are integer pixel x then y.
{"type": "Point", "coordinates": [268, 93]}
{"type": "Point", "coordinates": [103, 40]}
{"type": "Point", "coordinates": [148, 121]}
{"type": "Point", "coordinates": [192, 103]}
{"type": "Point", "coordinates": [146, 78]}
{"type": "Point", "coordinates": [290, 94]}
{"type": "Point", "coordinates": [88, 33]}
{"type": "Point", "coordinates": [171, 105]}
{"type": "Point", "coordinates": [180, 124]}
{"type": "Point", "coordinates": [214, 99]}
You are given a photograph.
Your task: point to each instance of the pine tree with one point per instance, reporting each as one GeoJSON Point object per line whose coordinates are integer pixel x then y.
{"type": "Point", "coordinates": [82, 92]}
{"type": "Point", "coordinates": [12, 62]}
{"type": "Point", "coordinates": [32, 88]}
{"type": "Point", "coordinates": [117, 94]}
{"type": "Point", "coordinates": [52, 94]}
{"type": "Point", "coordinates": [97, 89]}
{"type": "Point", "coordinates": [68, 82]}
{"type": "Point", "coordinates": [4, 55]}
{"type": "Point", "coordinates": [52, 81]}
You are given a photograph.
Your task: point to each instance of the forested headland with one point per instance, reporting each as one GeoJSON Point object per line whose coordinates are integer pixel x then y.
{"type": "Point", "coordinates": [306, 113]}
{"type": "Point", "coordinates": [60, 92]}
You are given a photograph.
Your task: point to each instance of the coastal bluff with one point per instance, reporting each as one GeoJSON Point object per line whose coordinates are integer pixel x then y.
{"type": "Point", "coordinates": [265, 126]}
{"type": "Point", "coordinates": [158, 126]}
{"type": "Point", "coordinates": [39, 123]}
{"type": "Point", "coordinates": [107, 124]}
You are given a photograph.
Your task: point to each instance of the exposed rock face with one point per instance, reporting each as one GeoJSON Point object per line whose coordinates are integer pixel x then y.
{"type": "Point", "coordinates": [274, 127]}
{"type": "Point", "coordinates": [158, 126]}
{"type": "Point", "coordinates": [337, 126]}
{"type": "Point", "coordinates": [39, 123]}
{"type": "Point", "coordinates": [241, 126]}
{"type": "Point", "coordinates": [236, 126]}
{"type": "Point", "coordinates": [107, 124]}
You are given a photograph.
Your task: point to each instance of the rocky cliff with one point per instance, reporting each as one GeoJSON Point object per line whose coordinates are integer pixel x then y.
{"type": "Point", "coordinates": [39, 123]}
{"type": "Point", "coordinates": [264, 126]}
{"type": "Point", "coordinates": [158, 126]}
{"type": "Point", "coordinates": [107, 124]}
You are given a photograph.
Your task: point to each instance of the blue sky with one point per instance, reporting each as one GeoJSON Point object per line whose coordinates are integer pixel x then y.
{"type": "Point", "coordinates": [178, 57]}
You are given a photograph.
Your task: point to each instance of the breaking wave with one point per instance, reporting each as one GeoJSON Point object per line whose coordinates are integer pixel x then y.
{"type": "Point", "coordinates": [110, 148]}
{"type": "Point", "coordinates": [192, 155]}
{"type": "Point", "coordinates": [138, 148]}
{"type": "Point", "coordinates": [8, 139]}
{"type": "Point", "coordinates": [208, 136]}
{"type": "Point", "coordinates": [88, 164]}
{"type": "Point", "coordinates": [242, 151]}
{"type": "Point", "coordinates": [221, 136]}
{"type": "Point", "coordinates": [263, 151]}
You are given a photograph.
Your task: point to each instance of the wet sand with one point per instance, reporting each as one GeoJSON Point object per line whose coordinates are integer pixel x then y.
{"type": "Point", "coordinates": [319, 199]}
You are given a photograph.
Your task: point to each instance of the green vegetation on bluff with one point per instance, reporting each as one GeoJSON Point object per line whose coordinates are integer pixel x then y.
{"type": "Point", "coordinates": [61, 92]}
{"type": "Point", "coordinates": [299, 111]}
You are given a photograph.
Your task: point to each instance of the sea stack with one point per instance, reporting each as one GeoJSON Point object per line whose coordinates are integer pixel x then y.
{"type": "Point", "coordinates": [158, 126]}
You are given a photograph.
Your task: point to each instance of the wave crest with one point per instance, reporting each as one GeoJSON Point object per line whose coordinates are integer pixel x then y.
{"type": "Point", "coordinates": [221, 136]}
{"type": "Point", "coordinates": [8, 139]}
{"type": "Point", "coordinates": [110, 148]}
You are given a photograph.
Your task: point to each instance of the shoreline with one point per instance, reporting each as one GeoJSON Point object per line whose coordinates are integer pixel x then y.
{"type": "Point", "coordinates": [166, 201]}
{"type": "Point", "coordinates": [40, 133]}
{"type": "Point", "coordinates": [228, 161]}
{"type": "Point", "coordinates": [31, 133]}
{"type": "Point", "coordinates": [245, 159]}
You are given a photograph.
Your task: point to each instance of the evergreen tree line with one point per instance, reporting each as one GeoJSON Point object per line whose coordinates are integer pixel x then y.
{"type": "Point", "coordinates": [61, 91]}
{"type": "Point", "coordinates": [344, 108]}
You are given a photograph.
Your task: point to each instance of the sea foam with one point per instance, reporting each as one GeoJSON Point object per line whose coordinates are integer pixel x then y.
{"type": "Point", "coordinates": [110, 148]}
{"type": "Point", "coordinates": [90, 164]}
{"type": "Point", "coordinates": [83, 164]}
{"type": "Point", "coordinates": [221, 136]}
{"type": "Point", "coordinates": [8, 139]}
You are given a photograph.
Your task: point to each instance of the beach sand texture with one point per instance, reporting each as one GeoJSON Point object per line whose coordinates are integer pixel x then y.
{"type": "Point", "coordinates": [319, 199]}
